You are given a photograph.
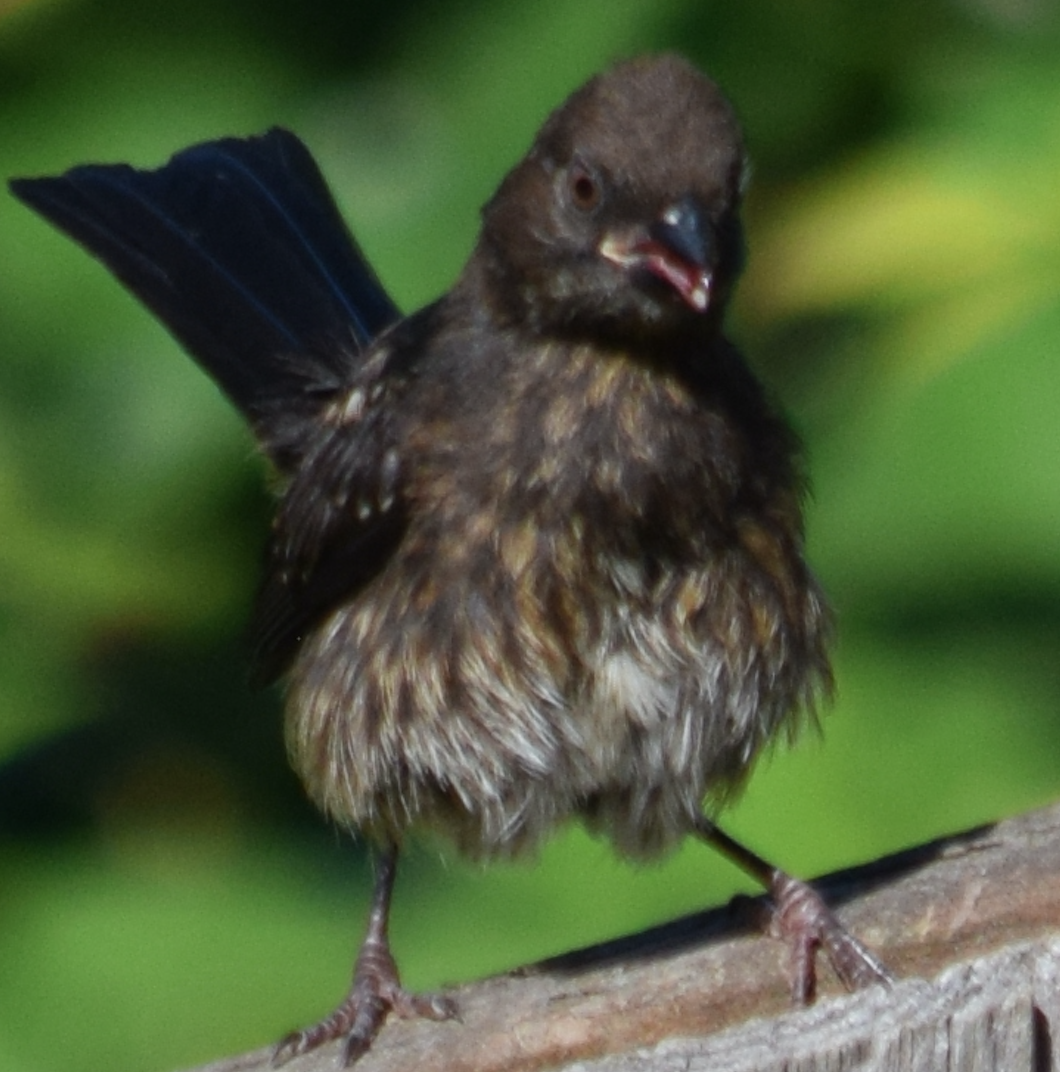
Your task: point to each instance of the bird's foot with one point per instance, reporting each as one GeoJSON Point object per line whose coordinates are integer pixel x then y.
{"type": "Point", "coordinates": [802, 919]}
{"type": "Point", "coordinates": [376, 991]}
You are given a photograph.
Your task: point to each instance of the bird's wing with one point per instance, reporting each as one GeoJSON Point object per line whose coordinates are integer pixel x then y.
{"type": "Point", "coordinates": [339, 522]}
{"type": "Point", "coordinates": [344, 512]}
{"type": "Point", "coordinates": [238, 247]}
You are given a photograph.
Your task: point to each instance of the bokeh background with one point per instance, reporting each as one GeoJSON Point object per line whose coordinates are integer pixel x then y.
{"type": "Point", "coordinates": [165, 894]}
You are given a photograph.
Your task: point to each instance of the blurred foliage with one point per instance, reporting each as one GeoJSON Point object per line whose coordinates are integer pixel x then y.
{"type": "Point", "coordinates": [165, 894]}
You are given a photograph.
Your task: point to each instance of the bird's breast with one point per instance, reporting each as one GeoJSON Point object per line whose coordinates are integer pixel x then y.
{"type": "Point", "coordinates": [579, 621]}
{"type": "Point", "coordinates": [570, 433]}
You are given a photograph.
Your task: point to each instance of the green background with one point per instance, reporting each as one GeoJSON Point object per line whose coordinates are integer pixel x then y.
{"type": "Point", "coordinates": [166, 896]}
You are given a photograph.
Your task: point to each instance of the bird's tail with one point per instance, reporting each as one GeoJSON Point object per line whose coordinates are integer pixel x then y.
{"type": "Point", "coordinates": [239, 249]}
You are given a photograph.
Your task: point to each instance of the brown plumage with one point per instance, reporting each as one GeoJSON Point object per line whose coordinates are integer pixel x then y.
{"type": "Point", "coordinates": [540, 554]}
{"type": "Point", "coordinates": [598, 605]}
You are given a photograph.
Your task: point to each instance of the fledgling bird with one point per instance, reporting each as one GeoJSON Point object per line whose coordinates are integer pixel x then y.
{"type": "Point", "coordinates": [539, 552]}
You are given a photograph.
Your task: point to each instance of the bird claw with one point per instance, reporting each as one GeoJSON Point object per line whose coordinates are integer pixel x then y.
{"type": "Point", "coordinates": [801, 918]}
{"type": "Point", "coordinates": [423, 1006]}
{"type": "Point", "coordinates": [361, 1015]}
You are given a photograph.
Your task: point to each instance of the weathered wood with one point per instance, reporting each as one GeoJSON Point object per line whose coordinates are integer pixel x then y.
{"type": "Point", "coordinates": [981, 908]}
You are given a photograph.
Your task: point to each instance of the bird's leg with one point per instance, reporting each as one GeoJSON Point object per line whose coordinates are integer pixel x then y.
{"type": "Point", "coordinates": [376, 989]}
{"type": "Point", "coordinates": [802, 919]}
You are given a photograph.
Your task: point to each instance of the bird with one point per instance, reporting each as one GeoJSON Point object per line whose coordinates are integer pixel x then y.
{"type": "Point", "coordinates": [538, 552]}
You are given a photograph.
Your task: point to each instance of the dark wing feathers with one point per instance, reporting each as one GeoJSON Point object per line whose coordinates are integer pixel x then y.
{"type": "Point", "coordinates": [239, 248]}
{"type": "Point", "coordinates": [338, 524]}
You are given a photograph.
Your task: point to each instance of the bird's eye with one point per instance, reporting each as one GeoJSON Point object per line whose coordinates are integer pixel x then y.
{"type": "Point", "coordinates": [583, 187]}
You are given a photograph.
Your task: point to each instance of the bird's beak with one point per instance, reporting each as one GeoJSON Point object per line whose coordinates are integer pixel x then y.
{"type": "Point", "coordinates": [676, 248]}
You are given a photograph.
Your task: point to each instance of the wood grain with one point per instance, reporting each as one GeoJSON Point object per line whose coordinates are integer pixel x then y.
{"type": "Point", "coordinates": [969, 924]}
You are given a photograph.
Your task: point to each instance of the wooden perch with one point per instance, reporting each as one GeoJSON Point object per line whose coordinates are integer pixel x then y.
{"type": "Point", "coordinates": [969, 924]}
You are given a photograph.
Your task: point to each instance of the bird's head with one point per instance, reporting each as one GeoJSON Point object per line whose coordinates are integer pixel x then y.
{"type": "Point", "coordinates": [623, 219]}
